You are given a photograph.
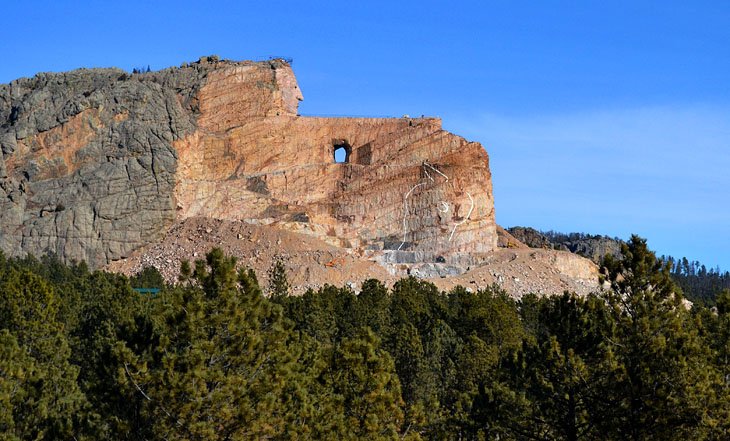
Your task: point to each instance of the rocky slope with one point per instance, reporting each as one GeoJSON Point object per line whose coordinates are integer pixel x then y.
{"type": "Point", "coordinates": [118, 170]}
{"type": "Point", "coordinates": [311, 263]}
{"type": "Point", "coordinates": [594, 247]}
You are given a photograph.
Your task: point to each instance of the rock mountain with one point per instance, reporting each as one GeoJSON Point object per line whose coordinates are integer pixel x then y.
{"type": "Point", "coordinates": [100, 165]}
{"type": "Point", "coordinates": [594, 247]}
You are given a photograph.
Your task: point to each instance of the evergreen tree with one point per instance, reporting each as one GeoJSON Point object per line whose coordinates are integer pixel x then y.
{"type": "Point", "coordinates": [489, 325]}
{"type": "Point", "coordinates": [365, 386]}
{"type": "Point", "coordinates": [714, 327]}
{"type": "Point", "coordinates": [148, 277]}
{"type": "Point", "coordinates": [371, 308]}
{"type": "Point", "coordinates": [37, 379]}
{"type": "Point", "coordinates": [663, 383]}
{"type": "Point", "coordinates": [562, 371]}
{"type": "Point", "coordinates": [18, 376]}
{"type": "Point", "coordinates": [110, 315]}
{"type": "Point", "coordinates": [278, 282]}
{"type": "Point", "coordinates": [222, 362]}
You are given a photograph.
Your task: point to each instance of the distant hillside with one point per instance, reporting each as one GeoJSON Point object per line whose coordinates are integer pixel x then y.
{"type": "Point", "coordinates": [698, 283]}
{"type": "Point", "coordinates": [594, 247]}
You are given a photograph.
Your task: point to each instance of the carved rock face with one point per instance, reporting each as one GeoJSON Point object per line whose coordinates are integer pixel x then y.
{"type": "Point", "coordinates": [127, 156]}
{"type": "Point", "coordinates": [408, 192]}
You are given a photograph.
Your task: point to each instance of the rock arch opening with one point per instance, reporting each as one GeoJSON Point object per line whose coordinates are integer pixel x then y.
{"type": "Point", "coordinates": [341, 151]}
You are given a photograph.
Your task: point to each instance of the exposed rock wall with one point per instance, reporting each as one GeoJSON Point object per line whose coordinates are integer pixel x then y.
{"type": "Point", "coordinates": [89, 165]}
{"type": "Point", "coordinates": [594, 247]}
{"type": "Point", "coordinates": [97, 163]}
{"type": "Point", "coordinates": [408, 186]}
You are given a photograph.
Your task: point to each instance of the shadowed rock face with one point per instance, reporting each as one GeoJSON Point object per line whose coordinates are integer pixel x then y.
{"type": "Point", "coordinates": [594, 247]}
{"type": "Point", "coordinates": [97, 163]}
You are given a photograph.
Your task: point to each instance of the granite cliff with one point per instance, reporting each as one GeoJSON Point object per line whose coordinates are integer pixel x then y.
{"type": "Point", "coordinates": [88, 166]}
{"type": "Point", "coordinates": [100, 165]}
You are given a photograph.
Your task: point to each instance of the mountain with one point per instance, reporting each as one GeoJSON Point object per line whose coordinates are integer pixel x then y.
{"type": "Point", "coordinates": [103, 166]}
{"type": "Point", "coordinates": [594, 247]}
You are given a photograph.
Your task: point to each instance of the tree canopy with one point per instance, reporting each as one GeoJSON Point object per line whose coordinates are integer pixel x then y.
{"type": "Point", "coordinates": [214, 356]}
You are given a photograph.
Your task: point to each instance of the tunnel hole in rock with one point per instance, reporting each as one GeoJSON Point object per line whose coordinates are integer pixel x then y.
{"type": "Point", "coordinates": [341, 150]}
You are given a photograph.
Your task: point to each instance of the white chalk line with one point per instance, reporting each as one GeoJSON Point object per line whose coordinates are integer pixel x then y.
{"type": "Point", "coordinates": [465, 219]}
{"type": "Point", "coordinates": [444, 205]}
{"type": "Point", "coordinates": [443, 209]}
{"type": "Point", "coordinates": [435, 169]}
{"type": "Point", "coordinates": [428, 175]}
{"type": "Point", "coordinates": [405, 213]}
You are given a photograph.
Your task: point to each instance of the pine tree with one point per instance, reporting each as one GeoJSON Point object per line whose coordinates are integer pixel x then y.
{"type": "Point", "coordinates": [562, 372]}
{"type": "Point", "coordinates": [148, 277]}
{"type": "Point", "coordinates": [714, 328]}
{"type": "Point", "coordinates": [663, 382]}
{"type": "Point", "coordinates": [45, 400]}
{"type": "Point", "coordinates": [371, 308]}
{"type": "Point", "coordinates": [17, 374]}
{"type": "Point", "coordinates": [278, 282]}
{"type": "Point", "coordinates": [222, 362]}
{"type": "Point", "coordinates": [364, 383]}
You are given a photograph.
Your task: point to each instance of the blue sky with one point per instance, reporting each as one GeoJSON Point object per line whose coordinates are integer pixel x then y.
{"type": "Point", "coordinates": [600, 117]}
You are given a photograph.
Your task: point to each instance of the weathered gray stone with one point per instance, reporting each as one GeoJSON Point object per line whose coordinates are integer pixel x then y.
{"type": "Point", "coordinates": [7, 143]}
{"type": "Point", "coordinates": [114, 193]}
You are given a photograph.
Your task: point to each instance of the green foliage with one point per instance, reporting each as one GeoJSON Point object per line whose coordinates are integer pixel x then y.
{"type": "Point", "coordinates": [222, 360]}
{"type": "Point", "coordinates": [699, 284]}
{"type": "Point", "coordinates": [84, 356]}
{"type": "Point", "coordinates": [663, 384]}
{"type": "Point", "coordinates": [562, 371]}
{"type": "Point", "coordinates": [278, 282]}
{"type": "Point", "coordinates": [723, 302]}
{"type": "Point", "coordinates": [148, 277]}
{"type": "Point", "coordinates": [366, 389]}
{"type": "Point", "coordinates": [37, 380]}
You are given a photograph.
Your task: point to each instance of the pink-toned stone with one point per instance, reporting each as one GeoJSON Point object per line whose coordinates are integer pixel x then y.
{"type": "Point", "coordinates": [409, 192]}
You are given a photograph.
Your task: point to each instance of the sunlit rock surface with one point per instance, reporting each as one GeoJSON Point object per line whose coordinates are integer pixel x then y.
{"type": "Point", "coordinates": [97, 163]}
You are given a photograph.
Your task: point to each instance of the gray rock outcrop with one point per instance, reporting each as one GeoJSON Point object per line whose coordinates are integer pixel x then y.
{"type": "Point", "coordinates": [87, 164]}
{"type": "Point", "coordinates": [594, 247]}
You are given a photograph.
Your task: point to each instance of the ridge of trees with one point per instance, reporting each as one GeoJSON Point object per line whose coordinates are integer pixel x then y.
{"type": "Point", "coordinates": [214, 357]}
{"type": "Point", "coordinates": [699, 283]}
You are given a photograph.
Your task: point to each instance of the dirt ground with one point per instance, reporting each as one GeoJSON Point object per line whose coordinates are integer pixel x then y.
{"type": "Point", "coordinates": [312, 263]}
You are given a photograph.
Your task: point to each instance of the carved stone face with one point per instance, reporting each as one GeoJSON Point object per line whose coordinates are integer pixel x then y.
{"type": "Point", "coordinates": [290, 92]}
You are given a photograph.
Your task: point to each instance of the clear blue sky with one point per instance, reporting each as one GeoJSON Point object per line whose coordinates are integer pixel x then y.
{"type": "Point", "coordinates": [600, 117]}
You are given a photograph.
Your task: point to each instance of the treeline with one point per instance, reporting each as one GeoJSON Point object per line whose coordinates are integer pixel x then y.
{"type": "Point", "coordinates": [83, 356]}
{"type": "Point", "coordinates": [699, 284]}
{"type": "Point", "coordinates": [557, 237]}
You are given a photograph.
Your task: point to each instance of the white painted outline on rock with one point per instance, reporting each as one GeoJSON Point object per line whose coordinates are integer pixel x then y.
{"type": "Point", "coordinates": [465, 219]}
{"type": "Point", "coordinates": [405, 200]}
{"type": "Point", "coordinates": [405, 213]}
{"type": "Point", "coordinates": [443, 209]}
{"type": "Point", "coordinates": [434, 169]}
